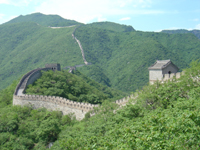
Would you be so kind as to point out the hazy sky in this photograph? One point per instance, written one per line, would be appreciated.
(144, 15)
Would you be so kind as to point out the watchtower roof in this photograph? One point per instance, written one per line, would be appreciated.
(160, 64)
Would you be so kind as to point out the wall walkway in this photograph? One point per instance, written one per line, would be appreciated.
(79, 43)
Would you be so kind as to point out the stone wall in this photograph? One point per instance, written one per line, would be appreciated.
(59, 104)
(52, 102)
(155, 75)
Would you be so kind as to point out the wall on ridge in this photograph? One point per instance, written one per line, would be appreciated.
(52, 102)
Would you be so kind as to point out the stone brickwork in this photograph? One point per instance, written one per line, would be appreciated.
(54, 103)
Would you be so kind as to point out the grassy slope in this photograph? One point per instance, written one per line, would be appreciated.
(26, 46)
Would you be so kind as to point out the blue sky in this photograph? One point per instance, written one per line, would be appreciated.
(143, 15)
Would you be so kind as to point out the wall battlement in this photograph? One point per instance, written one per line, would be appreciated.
(52, 102)
(57, 101)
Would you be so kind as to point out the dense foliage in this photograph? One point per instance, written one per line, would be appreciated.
(164, 116)
(23, 128)
(74, 87)
(180, 31)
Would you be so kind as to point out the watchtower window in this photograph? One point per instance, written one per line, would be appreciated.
(169, 72)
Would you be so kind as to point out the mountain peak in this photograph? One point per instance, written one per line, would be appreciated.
(44, 20)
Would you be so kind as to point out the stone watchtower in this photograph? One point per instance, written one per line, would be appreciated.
(162, 69)
(53, 67)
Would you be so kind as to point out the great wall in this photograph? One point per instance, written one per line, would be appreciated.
(79, 43)
(64, 105)
(67, 106)
(51, 102)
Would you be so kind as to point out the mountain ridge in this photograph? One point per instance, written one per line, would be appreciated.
(120, 55)
(183, 31)
(44, 20)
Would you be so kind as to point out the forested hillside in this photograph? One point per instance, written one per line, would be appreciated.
(119, 54)
(124, 57)
(165, 116)
(111, 26)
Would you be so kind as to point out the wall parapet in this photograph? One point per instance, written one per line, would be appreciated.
(58, 101)
(22, 80)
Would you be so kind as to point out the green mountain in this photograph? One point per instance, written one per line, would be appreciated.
(181, 31)
(118, 54)
(26, 46)
(125, 56)
(111, 26)
(44, 20)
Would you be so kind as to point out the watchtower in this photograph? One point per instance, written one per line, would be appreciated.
(53, 67)
(161, 69)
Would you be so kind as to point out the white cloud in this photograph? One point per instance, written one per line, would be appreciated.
(1, 16)
(126, 18)
(4, 2)
(101, 18)
(197, 26)
(16, 2)
(82, 11)
(92, 10)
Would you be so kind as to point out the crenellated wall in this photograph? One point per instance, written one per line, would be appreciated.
(52, 102)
